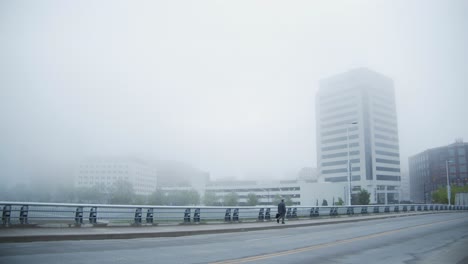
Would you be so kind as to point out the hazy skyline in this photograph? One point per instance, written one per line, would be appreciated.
(227, 86)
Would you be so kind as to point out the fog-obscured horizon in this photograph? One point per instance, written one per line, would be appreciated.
(227, 87)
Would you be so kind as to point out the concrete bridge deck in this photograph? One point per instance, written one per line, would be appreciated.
(31, 234)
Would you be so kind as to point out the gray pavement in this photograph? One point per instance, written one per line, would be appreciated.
(31, 234)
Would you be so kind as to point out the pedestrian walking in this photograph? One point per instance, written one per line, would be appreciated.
(281, 212)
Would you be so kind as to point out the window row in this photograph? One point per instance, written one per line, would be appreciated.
(388, 178)
(341, 154)
(340, 170)
(384, 145)
(396, 162)
(338, 139)
(389, 138)
(387, 169)
(339, 131)
(341, 123)
(343, 146)
(328, 117)
(388, 130)
(387, 153)
(340, 162)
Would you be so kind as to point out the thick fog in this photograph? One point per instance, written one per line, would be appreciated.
(226, 86)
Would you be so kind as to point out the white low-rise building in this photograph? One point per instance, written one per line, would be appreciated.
(301, 192)
(104, 172)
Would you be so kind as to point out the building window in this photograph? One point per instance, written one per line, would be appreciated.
(340, 162)
(383, 145)
(396, 162)
(451, 152)
(387, 169)
(463, 168)
(341, 154)
(386, 153)
(344, 146)
(387, 178)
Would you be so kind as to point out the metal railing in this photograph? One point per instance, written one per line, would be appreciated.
(30, 213)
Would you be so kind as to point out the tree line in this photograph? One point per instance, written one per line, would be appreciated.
(440, 195)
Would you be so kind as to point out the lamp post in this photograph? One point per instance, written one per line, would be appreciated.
(349, 163)
(448, 181)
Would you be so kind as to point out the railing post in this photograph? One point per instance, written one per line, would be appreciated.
(288, 213)
(314, 211)
(196, 216)
(6, 215)
(267, 214)
(187, 214)
(93, 215)
(294, 212)
(79, 216)
(261, 215)
(138, 214)
(150, 216)
(227, 215)
(364, 210)
(235, 215)
(24, 215)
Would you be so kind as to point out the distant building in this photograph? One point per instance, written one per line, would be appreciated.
(301, 192)
(173, 174)
(461, 199)
(405, 187)
(428, 170)
(356, 116)
(308, 173)
(104, 172)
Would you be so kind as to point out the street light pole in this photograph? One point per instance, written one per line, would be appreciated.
(448, 181)
(349, 164)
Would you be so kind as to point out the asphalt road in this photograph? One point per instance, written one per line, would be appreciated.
(434, 238)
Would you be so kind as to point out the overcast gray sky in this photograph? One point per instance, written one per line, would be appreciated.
(227, 86)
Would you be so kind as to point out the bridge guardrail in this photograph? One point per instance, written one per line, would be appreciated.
(31, 213)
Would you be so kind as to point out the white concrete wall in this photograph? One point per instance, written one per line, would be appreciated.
(317, 191)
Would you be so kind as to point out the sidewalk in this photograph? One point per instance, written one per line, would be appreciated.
(32, 234)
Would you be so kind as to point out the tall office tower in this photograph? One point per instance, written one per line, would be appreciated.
(357, 123)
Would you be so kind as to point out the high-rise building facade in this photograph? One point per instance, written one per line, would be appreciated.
(357, 122)
(430, 168)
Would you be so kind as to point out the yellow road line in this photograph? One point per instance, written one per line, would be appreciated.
(339, 242)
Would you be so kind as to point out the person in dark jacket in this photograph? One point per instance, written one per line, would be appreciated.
(281, 211)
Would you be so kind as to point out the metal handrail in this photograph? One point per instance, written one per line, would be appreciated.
(38, 213)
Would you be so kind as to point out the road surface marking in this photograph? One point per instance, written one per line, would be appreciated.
(339, 242)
